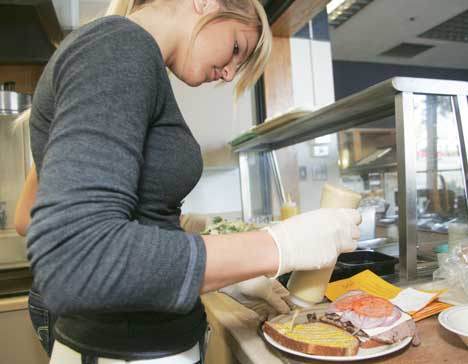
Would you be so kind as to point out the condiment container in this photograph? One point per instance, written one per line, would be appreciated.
(308, 287)
(288, 209)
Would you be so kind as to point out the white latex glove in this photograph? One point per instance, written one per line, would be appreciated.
(269, 290)
(194, 223)
(314, 240)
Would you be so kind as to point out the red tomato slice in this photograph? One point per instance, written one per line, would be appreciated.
(372, 306)
(346, 303)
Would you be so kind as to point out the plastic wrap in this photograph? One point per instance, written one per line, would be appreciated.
(453, 267)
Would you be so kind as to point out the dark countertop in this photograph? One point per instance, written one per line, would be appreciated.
(15, 281)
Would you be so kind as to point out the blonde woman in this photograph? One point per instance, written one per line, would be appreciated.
(115, 158)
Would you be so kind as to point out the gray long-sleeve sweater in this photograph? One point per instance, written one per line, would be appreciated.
(115, 159)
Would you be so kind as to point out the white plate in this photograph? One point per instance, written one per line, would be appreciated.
(361, 355)
(455, 319)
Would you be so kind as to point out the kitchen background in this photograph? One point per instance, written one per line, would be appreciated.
(345, 48)
(336, 54)
(373, 41)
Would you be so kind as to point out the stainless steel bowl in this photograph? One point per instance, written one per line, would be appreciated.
(372, 243)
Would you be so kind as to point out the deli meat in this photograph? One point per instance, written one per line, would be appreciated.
(374, 320)
(335, 319)
(405, 329)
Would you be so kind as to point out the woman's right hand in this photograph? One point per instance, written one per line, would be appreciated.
(314, 239)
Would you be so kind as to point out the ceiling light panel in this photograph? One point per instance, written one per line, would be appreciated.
(454, 29)
(348, 8)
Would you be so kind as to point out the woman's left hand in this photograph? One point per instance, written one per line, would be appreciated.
(269, 290)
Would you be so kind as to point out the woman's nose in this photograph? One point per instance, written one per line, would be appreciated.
(229, 71)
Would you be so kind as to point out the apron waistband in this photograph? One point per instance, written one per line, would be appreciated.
(63, 353)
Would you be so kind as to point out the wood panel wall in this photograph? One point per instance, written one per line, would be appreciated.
(26, 76)
(296, 16)
(279, 98)
(278, 78)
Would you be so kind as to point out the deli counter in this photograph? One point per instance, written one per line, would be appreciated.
(401, 144)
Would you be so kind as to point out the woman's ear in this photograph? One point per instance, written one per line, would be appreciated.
(203, 7)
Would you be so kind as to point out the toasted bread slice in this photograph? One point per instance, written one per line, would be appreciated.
(316, 338)
(370, 344)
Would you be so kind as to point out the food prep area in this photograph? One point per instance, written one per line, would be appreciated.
(233, 181)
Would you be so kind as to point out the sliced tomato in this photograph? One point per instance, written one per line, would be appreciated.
(346, 303)
(372, 306)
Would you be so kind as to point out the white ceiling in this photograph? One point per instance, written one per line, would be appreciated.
(384, 24)
(381, 25)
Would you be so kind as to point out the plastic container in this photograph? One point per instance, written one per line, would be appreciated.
(288, 209)
(442, 248)
(349, 264)
(457, 234)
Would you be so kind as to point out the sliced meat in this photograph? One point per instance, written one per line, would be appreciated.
(334, 319)
(312, 317)
(394, 317)
(362, 322)
(398, 333)
(356, 311)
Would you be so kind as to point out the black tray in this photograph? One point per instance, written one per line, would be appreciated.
(349, 264)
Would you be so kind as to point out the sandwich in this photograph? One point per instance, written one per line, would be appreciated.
(315, 338)
(355, 320)
(373, 320)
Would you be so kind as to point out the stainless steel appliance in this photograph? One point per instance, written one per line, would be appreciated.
(14, 164)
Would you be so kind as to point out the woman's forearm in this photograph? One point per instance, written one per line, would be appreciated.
(236, 257)
(25, 202)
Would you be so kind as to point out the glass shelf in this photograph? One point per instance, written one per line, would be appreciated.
(400, 143)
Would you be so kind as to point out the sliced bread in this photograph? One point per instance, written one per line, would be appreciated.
(316, 338)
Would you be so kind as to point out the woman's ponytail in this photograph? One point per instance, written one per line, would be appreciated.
(22, 119)
(120, 7)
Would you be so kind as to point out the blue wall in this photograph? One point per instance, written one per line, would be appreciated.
(351, 77)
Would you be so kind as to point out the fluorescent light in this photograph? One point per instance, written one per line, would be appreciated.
(339, 11)
(333, 4)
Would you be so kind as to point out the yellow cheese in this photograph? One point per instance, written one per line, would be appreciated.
(317, 333)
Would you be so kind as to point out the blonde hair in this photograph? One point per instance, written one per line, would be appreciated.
(22, 119)
(249, 12)
(120, 7)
